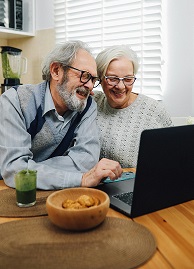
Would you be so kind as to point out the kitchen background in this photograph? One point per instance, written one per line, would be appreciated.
(179, 85)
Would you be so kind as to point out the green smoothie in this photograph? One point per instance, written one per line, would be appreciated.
(25, 184)
(7, 71)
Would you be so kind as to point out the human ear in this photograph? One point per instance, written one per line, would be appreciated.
(55, 70)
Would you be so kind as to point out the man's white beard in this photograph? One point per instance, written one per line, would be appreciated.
(70, 99)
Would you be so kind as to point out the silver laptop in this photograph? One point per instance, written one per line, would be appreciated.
(164, 175)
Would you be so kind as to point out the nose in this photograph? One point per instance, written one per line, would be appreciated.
(121, 84)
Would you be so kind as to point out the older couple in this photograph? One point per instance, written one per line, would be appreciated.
(51, 127)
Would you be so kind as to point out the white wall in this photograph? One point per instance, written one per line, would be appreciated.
(179, 90)
(44, 14)
(179, 64)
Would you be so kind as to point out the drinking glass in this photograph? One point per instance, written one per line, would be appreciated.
(25, 184)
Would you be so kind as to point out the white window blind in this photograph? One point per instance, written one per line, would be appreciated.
(102, 23)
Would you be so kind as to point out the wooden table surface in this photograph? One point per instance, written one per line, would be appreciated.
(173, 229)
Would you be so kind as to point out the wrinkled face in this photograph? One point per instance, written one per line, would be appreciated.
(72, 91)
(118, 95)
(70, 98)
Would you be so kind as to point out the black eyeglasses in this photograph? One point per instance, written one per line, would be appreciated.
(86, 76)
(113, 81)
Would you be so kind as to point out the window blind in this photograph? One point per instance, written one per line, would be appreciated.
(102, 23)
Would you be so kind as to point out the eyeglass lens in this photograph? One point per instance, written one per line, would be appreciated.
(113, 81)
(86, 76)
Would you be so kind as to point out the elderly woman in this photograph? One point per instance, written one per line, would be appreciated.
(123, 114)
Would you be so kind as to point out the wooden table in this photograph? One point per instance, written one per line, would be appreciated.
(173, 229)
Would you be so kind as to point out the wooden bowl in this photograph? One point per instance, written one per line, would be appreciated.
(77, 219)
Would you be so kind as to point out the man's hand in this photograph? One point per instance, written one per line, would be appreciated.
(104, 168)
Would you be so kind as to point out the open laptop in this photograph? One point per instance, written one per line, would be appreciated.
(164, 175)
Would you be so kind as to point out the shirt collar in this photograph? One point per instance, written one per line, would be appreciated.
(48, 101)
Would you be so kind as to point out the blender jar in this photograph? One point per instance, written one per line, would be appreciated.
(13, 65)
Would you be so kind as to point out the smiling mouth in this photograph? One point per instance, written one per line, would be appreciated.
(82, 92)
(119, 93)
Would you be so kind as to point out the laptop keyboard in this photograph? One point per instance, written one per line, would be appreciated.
(126, 197)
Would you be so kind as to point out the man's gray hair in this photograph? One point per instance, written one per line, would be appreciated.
(64, 54)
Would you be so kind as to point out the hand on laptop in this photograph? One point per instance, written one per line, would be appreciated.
(104, 168)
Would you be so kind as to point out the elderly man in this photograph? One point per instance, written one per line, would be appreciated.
(51, 127)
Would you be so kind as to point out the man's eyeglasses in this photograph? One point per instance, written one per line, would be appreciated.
(113, 81)
(86, 76)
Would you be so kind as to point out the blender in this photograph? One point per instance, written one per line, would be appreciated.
(13, 66)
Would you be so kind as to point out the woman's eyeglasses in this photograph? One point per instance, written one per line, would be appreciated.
(113, 81)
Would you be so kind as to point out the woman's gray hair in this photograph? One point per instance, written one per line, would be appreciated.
(109, 54)
(64, 54)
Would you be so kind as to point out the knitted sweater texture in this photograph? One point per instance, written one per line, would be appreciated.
(121, 128)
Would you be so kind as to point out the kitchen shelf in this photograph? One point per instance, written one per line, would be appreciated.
(28, 23)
